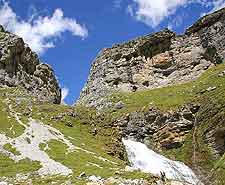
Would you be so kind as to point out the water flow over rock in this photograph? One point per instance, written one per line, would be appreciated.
(146, 160)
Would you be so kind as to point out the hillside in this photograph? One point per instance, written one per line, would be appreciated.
(152, 112)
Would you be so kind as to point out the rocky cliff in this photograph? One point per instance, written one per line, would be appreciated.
(19, 66)
(156, 60)
(164, 112)
(166, 90)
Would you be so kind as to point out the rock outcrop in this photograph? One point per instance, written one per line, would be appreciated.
(156, 60)
(159, 130)
(19, 66)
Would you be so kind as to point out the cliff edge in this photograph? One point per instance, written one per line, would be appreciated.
(19, 66)
(156, 60)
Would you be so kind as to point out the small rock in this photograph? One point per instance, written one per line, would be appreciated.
(94, 131)
(3, 183)
(83, 174)
(94, 178)
(162, 176)
(194, 108)
(211, 89)
(94, 183)
(59, 117)
(188, 115)
(69, 124)
(221, 74)
(134, 88)
(129, 169)
(2, 28)
(119, 105)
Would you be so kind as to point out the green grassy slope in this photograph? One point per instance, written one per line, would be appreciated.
(78, 128)
(78, 123)
(211, 115)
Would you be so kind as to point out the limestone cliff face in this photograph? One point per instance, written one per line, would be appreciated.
(19, 66)
(156, 60)
(157, 129)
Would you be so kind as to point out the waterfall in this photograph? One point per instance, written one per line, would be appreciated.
(146, 160)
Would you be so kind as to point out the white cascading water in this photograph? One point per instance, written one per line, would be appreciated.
(146, 160)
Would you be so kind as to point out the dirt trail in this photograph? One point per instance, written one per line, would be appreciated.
(27, 144)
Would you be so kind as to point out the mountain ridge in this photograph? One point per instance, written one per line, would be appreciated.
(130, 66)
(162, 94)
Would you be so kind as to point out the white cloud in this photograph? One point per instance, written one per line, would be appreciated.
(40, 31)
(152, 12)
(65, 92)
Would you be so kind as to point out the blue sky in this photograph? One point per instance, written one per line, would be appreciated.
(69, 34)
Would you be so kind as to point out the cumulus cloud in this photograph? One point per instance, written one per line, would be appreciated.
(65, 92)
(40, 31)
(152, 13)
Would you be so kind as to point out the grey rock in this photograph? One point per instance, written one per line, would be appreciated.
(94, 178)
(19, 66)
(206, 21)
(156, 60)
(211, 89)
(119, 105)
(159, 130)
(215, 140)
(94, 131)
(221, 74)
(2, 28)
(69, 124)
(83, 174)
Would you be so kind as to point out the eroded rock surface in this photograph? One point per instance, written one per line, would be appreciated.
(156, 60)
(157, 129)
(19, 66)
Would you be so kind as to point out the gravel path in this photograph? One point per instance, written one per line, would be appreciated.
(28, 146)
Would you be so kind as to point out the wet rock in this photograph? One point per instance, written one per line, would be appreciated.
(160, 130)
